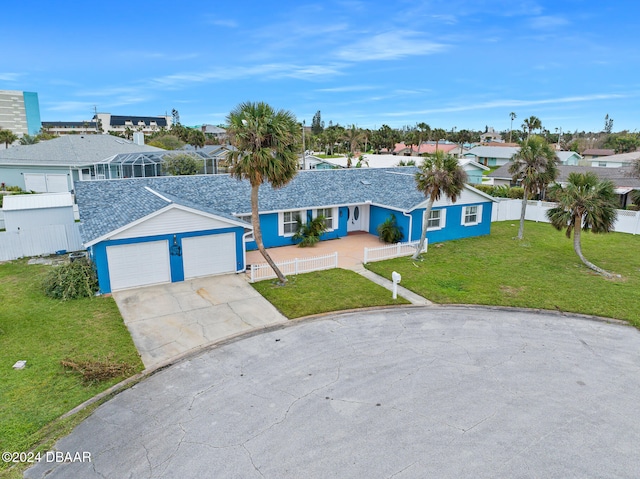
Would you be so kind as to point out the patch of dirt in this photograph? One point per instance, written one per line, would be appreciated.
(510, 290)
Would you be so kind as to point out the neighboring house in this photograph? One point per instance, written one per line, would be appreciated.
(24, 212)
(592, 153)
(19, 112)
(491, 136)
(622, 179)
(89, 127)
(214, 131)
(568, 158)
(53, 166)
(474, 170)
(492, 155)
(426, 147)
(615, 161)
(168, 229)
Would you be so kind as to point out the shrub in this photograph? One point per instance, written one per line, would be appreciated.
(309, 234)
(389, 231)
(71, 280)
(516, 192)
(488, 189)
(180, 164)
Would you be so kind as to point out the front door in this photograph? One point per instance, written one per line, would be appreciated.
(354, 218)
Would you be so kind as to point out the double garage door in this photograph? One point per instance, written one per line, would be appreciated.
(142, 264)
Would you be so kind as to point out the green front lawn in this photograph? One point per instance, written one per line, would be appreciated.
(542, 271)
(323, 292)
(43, 332)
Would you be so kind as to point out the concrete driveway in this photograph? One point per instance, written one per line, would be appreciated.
(167, 320)
(442, 392)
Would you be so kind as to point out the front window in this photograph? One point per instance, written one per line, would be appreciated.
(471, 215)
(328, 217)
(436, 220)
(290, 222)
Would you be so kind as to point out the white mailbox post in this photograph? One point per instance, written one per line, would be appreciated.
(396, 279)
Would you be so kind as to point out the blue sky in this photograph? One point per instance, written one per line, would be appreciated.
(462, 64)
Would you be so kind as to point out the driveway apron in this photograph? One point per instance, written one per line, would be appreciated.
(167, 320)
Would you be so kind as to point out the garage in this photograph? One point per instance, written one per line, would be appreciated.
(209, 255)
(138, 264)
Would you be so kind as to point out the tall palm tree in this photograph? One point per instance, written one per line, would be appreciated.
(532, 123)
(424, 131)
(534, 166)
(439, 134)
(440, 174)
(353, 136)
(266, 144)
(513, 116)
(585, 203)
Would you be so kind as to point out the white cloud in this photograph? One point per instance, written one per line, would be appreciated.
(220, 22)
(548, 22)
(350, 88)
(10, 76)
(389, 46)
(512, 104)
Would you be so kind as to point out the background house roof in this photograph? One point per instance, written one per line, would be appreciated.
(108, 205)
(598, 152)
(493, 151)
(71, 150)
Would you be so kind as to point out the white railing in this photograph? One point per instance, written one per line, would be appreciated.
(392, 251)
(295, 266)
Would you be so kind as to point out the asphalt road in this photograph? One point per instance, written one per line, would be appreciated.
(404, 393)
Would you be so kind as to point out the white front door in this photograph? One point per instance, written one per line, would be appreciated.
(354, 218)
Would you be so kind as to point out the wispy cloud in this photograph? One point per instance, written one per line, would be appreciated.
(70, 106)
(512, 104)
(390, 46)
(349, 88)
(10, 76)
(221, 22)
(546, 22)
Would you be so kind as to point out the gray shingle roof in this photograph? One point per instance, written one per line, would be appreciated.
(108, 205)
(71, 150)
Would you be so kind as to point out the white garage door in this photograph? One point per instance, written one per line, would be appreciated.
(139, 264)
(207, 255)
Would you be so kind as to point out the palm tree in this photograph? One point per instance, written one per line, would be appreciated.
(513, 116)
(7, 137)
(439, 134)
(266, 144)
(534, 166)
(532, 123)
(440, 174)
(424, 130)
(586, 203)
(353, 136)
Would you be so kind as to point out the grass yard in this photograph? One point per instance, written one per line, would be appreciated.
(542, 271)
(43, 332)
(323, 292)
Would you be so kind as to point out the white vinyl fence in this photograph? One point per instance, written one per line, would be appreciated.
(39, 241)
(392, 251)
(509, 210)
(295, 266)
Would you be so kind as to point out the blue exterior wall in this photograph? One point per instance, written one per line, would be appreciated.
(378, 215)
(454, 229)
(32, 110)
(98, 253)
(271, 239)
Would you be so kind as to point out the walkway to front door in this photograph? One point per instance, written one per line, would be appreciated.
(350, 250)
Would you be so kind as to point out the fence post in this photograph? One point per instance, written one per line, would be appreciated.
(365, 256)
(251, 270)
(295, 266)
(335, 259)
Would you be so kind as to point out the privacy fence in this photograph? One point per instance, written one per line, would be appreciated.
(39, 241)
(509, 210)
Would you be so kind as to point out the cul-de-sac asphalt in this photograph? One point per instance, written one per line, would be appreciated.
(442, 392)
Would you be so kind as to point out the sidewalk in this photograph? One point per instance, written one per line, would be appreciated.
(410, 296)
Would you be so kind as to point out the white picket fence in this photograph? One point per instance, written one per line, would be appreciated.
(392, 251)
(509, 210)
(258, 272)
(39, 241)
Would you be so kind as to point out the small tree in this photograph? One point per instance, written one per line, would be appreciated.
(180, 164)
(7, 137)
(389, 231)
(585, 203)
(308, 234)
